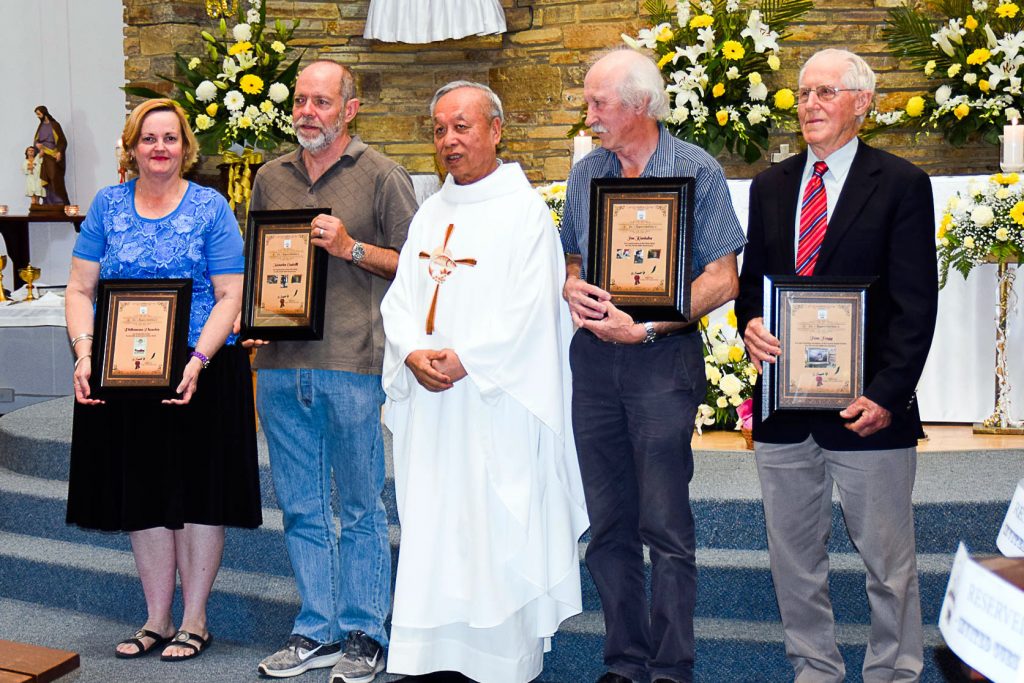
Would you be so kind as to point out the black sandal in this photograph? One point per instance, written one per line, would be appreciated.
(158, 642)
(182, 639)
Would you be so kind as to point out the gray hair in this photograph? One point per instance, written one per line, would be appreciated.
(496, 110)
(858, 74)
(642, 85)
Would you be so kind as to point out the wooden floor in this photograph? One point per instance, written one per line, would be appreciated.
(941, 437)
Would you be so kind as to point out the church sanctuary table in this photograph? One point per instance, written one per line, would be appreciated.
(35, 361)
(14, 229)
(958, 383)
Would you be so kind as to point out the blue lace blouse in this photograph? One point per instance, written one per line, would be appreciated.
(198, 239)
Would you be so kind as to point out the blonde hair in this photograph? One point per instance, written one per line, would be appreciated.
(133, 131)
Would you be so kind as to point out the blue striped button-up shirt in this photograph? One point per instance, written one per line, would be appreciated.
(716, 229)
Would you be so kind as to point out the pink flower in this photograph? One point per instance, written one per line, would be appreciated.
(745, 412)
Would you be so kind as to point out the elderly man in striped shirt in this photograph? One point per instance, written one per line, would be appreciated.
(637, 383)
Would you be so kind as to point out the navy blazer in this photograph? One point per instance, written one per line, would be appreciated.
(883, 225)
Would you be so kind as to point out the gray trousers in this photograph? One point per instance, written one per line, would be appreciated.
(875, 492)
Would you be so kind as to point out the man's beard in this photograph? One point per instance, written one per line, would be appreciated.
(322, 140)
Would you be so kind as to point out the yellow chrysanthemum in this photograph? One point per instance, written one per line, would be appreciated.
(1005, 178)
(554, 217)
(970, 23)
(1007, 10)
(702, 21)
(733, 50)
(735, 354)
(784, 99)
(237, 48)
(718, 90)
(961, 111)
(915, 106)
(211, 109)
(774, 63)
(979, 56)
(1002, 234)
(1017, 213)
(666, 59)
(251, 84)
(983, 85)
(245, 122)
(722, 116)
(704, 323)
(730, 318)
(929, 68)
(266, 106)
(944, 225)
(203, 122)
(754, 78)
(953, 70)
(664, 35)
(969, 242)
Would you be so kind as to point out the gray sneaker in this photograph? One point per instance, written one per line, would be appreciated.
(298, 655)
(361, 661)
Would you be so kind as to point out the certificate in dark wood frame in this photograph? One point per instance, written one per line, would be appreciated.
(285, 288)
(641, 241)
(820, 322)
(140, 342)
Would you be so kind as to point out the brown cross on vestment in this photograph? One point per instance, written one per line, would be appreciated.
(440, 265)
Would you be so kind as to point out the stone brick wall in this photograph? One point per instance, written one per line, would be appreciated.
(537, 68)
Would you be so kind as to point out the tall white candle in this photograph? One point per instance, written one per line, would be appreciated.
(1013, 147)
(582, 145)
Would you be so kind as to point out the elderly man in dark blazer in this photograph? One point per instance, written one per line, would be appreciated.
(843, 208)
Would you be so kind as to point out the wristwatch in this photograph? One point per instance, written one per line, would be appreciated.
(358, 253)
(651, 334)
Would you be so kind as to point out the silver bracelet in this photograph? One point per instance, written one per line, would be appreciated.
(80, 359)
(84, 335)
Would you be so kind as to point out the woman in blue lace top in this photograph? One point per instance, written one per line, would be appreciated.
(173, 473)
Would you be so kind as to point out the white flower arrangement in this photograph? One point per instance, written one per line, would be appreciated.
(241, 92)
(730, 375)
(986, 223)
(716, 58)
(974, 55)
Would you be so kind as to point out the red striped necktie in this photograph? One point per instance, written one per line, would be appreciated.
(813, 221)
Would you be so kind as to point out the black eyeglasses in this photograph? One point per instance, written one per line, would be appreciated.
(825, 93)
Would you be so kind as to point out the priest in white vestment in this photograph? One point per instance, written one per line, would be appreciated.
(477, 381)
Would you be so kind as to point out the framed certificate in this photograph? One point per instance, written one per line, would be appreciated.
(820, 322)
(641, 238)
(285, 277)
(141, 337)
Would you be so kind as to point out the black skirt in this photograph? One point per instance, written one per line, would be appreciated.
(140, 464)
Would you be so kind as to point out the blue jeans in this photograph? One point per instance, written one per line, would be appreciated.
(321, 423)
(633, 407)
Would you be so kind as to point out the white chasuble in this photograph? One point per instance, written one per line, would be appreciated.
(489, 492)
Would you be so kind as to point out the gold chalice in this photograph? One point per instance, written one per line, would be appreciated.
(3, 264)
(29, 274)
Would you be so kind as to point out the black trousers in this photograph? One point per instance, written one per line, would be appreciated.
(633, 408)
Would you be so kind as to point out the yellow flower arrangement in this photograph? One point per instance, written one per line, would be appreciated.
(973, 55)
(986, 222)
(715, 56)
(729, 372)
(554, 196)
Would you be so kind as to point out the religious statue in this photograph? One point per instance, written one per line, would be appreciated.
(52, 145)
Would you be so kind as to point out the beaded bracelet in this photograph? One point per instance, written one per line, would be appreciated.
(202, 358)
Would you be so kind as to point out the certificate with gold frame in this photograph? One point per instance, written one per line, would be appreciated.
(285, 277)
(641, 239)
(820, 323)
(141, 337)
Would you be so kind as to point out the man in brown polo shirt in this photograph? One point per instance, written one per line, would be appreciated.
(319, 401)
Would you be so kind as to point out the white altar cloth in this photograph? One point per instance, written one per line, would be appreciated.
(958, 383)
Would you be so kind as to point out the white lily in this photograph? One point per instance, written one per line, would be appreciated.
(990, 37)
(706, 35)
(942, 42)
(763, 37)
(757, 92)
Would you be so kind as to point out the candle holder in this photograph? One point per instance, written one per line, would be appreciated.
(1011, 154)
(71, 210)
(3, 209)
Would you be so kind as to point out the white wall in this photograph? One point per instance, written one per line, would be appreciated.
(68, 56)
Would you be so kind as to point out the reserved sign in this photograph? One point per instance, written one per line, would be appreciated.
(982, 620)
(1011, 534)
